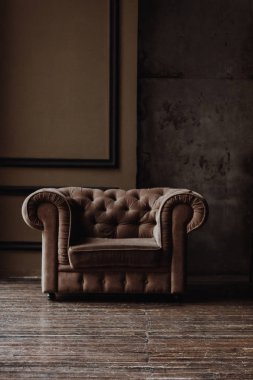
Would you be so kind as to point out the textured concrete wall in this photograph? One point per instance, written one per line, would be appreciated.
(196, 118)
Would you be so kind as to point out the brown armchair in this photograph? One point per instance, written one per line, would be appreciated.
(114, 241)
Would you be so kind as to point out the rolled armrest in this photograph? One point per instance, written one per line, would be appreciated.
(31, 216)
(173, 198)
(179, 212)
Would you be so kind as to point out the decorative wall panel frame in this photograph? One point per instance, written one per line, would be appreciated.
(19, 245)
(112, 160)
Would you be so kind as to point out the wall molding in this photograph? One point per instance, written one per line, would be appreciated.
(19, 190)
(20, 246)
(112, 161)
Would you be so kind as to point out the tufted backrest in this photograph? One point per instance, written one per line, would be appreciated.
(116, 213)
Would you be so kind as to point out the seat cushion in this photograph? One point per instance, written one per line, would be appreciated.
(99, 252)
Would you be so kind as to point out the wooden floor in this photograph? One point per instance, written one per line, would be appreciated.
(207, 336)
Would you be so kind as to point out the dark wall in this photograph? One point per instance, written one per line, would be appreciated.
(196, 118)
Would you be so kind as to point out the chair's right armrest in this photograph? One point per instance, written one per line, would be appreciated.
(180, 212)
(47, 209)
(52, 212)
(194, 218)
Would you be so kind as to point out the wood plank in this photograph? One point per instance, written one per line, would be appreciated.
(207, 336)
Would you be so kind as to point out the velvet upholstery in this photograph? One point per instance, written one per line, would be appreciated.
(114, 241)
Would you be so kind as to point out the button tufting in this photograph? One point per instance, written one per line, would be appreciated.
(118, 214)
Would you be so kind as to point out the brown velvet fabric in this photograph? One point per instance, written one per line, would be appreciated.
(116, 213)
(99, 252)
(69, 217)
(31, 217)
(47, 213)
(114, 282)
(181, 215)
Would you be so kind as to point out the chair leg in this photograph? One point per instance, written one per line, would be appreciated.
(51, 296)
